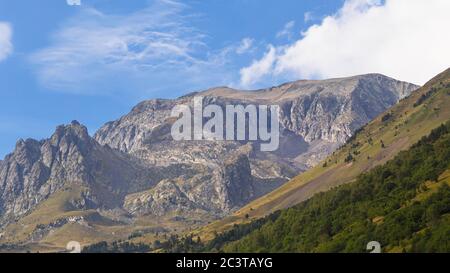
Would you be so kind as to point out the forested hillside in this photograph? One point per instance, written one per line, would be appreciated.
(404, 205)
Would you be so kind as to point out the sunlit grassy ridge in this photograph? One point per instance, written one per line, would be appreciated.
(49, 228)
(58, 208)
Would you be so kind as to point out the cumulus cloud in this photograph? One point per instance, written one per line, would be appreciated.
(5, 40)
(150, 50)
(404, 39)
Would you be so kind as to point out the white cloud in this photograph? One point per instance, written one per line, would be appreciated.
(151, 50)
(308, 16)
(245, 46)
(259, 69)
(287, 30)
(404, 39)
(6, 46)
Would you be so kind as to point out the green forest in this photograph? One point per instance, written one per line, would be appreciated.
(401, 204)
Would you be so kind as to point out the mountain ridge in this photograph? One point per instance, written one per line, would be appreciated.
(130, 170)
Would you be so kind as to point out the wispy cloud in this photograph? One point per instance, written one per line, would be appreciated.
(151, 50)
(308, 16)
(287, 31)
(6, 46)
(245, 46)
(405, 39)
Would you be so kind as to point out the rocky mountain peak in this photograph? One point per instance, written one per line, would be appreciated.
(39, 168)
(72, 130)
(72, 136)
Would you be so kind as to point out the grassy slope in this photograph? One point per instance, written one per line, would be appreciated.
(97, 228)
(406, 126)
(55, 208)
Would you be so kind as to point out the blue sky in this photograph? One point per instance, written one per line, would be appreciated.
(30, 107)
(95, 61)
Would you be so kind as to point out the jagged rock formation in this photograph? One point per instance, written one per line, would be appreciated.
(133, 163)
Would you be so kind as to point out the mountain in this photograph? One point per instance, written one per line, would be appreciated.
(316, 118)
(37, 169)
(381, 140)
(389, 184)
(131, 177)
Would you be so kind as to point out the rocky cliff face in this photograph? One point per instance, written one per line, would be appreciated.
(133, 164)
(316, 117)
(214, 190)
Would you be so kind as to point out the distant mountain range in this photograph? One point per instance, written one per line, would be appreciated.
(131, 178)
